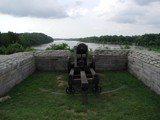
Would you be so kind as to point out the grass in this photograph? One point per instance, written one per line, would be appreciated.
(155, 49)
(34, 99)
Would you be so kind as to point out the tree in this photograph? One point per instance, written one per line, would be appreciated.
(13, 37)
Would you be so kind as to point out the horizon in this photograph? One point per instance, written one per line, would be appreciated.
(78, 19)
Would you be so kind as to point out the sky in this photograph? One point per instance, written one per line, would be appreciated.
(80, 18)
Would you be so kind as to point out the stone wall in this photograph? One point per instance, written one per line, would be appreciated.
(52, 60)
(15, 68)
(111, 59)
(145, 66)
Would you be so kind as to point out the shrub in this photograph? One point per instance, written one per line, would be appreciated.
(13, 48)
(29, 49)
(2, 50)
(125, 47)
(62, 46)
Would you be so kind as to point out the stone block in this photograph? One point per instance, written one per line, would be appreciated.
(52, 60)
(12, 69)
(144, 65)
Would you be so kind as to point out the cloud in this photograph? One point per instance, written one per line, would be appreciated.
(145, 2)
(33, 8)
(43, 8)
(78, 3)
(77, 10)
(129, 11)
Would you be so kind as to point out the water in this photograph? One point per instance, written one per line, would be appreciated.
(71, 44)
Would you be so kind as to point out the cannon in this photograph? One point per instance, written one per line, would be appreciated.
(81, 71)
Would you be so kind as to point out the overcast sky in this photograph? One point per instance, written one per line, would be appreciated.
(80, 18)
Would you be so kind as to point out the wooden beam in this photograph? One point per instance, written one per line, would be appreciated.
(84, 81)
(92, 72)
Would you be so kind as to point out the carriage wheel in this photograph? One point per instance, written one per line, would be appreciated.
(70, 90)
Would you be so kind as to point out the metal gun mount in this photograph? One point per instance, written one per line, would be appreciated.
(81, 69)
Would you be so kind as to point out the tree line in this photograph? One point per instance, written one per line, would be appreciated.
(24, 39)
(139, 40)
(18, 42)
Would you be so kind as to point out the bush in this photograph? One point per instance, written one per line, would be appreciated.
(13, 48)
(2, 50)
(125, 47)
(29, 49)
(153, 48)
(62, 46)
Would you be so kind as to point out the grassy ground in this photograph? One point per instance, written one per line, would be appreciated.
(34, 99)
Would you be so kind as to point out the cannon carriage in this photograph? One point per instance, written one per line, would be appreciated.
(81, 70)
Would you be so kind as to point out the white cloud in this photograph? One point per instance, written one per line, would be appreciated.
(130, 11)
(76, 12)
(42, 8)
(107, 7)
(33, 8)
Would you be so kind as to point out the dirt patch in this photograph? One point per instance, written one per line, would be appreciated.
(61, 81)
(60, 88)
(92, 112)
(3, 99)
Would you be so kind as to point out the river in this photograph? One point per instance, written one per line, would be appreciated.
(71, 44)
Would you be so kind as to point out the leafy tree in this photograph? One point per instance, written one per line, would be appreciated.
(142, 40)
(12, 42)
(24, 41)
(0, 39)
(13, 37)
(36, 38)
(5, 41)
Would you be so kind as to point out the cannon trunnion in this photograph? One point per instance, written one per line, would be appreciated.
(81, 70)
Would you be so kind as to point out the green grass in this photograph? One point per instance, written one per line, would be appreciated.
(155, 49)
(34, 99)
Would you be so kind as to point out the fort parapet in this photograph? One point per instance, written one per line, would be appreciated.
(14, 69)
(52, 60)
(111, 59)
(143, 64)
(146, 67)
